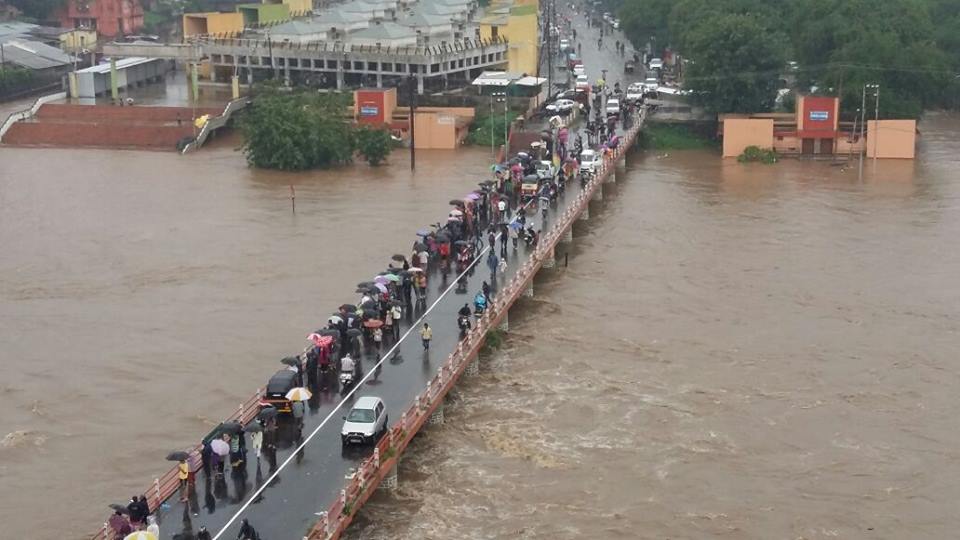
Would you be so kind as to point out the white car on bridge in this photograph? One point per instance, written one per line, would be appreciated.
(589, 161)
(366, 422)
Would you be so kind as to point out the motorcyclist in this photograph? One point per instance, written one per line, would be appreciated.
(347, 365)
(464, 311)
(479, 303)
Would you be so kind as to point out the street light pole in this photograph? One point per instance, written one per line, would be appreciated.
(876, 130)
(863, 130)
(413, 140)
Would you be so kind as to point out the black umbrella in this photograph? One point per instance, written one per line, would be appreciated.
(419, 246)
(443, 237)
(362, 290)
(531, 178)
(456, 202)
(368, 305)
(365, 284)
(371, 313)
(398, 257)
(291, 361)
(179, 455)
(253, 428)
(329, 332)
(354, 332)
(348, 307)
(231, 427)
(487, 183)
(267, 413)
(119, 508)
(461, 243)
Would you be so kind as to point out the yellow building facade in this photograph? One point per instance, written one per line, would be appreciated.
(212, 23)
(78, 39)
(517, 21)
(297, 7)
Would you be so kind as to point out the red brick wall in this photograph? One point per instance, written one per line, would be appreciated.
(96, 135)
(114, 113)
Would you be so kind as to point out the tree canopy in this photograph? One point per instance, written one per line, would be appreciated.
(737, 49)
(301, 129)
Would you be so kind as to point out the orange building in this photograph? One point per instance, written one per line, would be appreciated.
(110, 18)
(814, 129)
(436, 127)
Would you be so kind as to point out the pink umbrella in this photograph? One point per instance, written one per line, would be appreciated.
(473, 196)
(381, 287)
(320, 341)
(381, 280)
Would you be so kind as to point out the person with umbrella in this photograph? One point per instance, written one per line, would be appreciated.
(118, 523)
(492, 262)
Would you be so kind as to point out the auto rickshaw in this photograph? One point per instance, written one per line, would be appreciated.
(530, 187)
(275, 394)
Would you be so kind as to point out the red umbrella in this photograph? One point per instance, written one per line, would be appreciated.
(373, 323)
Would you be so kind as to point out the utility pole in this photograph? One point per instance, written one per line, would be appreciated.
(863, 108)
(413, 140)
(493, 144)
(876, 127)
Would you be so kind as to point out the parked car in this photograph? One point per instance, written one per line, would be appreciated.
(589, 161)
(655, 63)
(613, 107)
(582, 82)
(634, 92)
(561, 106)
(651, 83)
(275, 394)
(366, 422)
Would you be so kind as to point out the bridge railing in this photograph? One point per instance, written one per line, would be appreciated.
(371, 471)
(216, 122)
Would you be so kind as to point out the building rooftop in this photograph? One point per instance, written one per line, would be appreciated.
(299, 28)
(33, 54)
(386, 30)
(15, 28)
(332, 17)
(121, 64)
(419, 20)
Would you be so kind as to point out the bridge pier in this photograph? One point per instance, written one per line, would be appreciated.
(598, 193)
(504, 322)
(528, 290)
(567, 235)
(550, 260)
(436, 417)
(391, 480)
(585, 215)
(473, 367)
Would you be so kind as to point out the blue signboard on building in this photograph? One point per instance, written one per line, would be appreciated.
(819, 115)
(369, 110)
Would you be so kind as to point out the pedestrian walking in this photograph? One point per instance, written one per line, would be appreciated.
(388, 321)
(396, 313)
(503, 266)
(256, 441)
(503, 245)
(378, 339)
(183, 474)
(426, 334)
(492, 262)
(296, 409)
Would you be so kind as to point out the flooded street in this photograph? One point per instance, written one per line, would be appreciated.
(734, 351)
(145, 295)
(740, 351)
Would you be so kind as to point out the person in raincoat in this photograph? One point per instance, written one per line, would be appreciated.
(256, 441)
(152, 526)
(247, 532)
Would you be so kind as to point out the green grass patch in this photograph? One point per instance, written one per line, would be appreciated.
(673, 137)
(755, 154)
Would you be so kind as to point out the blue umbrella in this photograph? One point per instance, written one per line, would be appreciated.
(515, 225)
(423, 232)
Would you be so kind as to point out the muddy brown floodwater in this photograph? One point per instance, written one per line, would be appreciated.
(145, 295)
(734, 352)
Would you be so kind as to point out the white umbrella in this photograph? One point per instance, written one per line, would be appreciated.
(219, 447)
(456, 213)
(414, 269)
(298, 394)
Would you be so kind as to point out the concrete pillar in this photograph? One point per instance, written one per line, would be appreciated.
(286, 70)
(194, 82)
(339, 79)
(249, 75)
(436, 418)
(585, 215)
(391, 480)
(504, 322)
(114, 90)
(597, 194)
(419, 84)
(550, 260)
(473, 367)
(567, 235)
(235, 86)
(528, 291)
(74, 85)
(213, 74)
(379, 80)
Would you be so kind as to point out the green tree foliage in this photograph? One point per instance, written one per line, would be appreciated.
(737, 65)
(15, 79)
(910, 47)
(295, 131)
(374, 144)
(40, 10)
